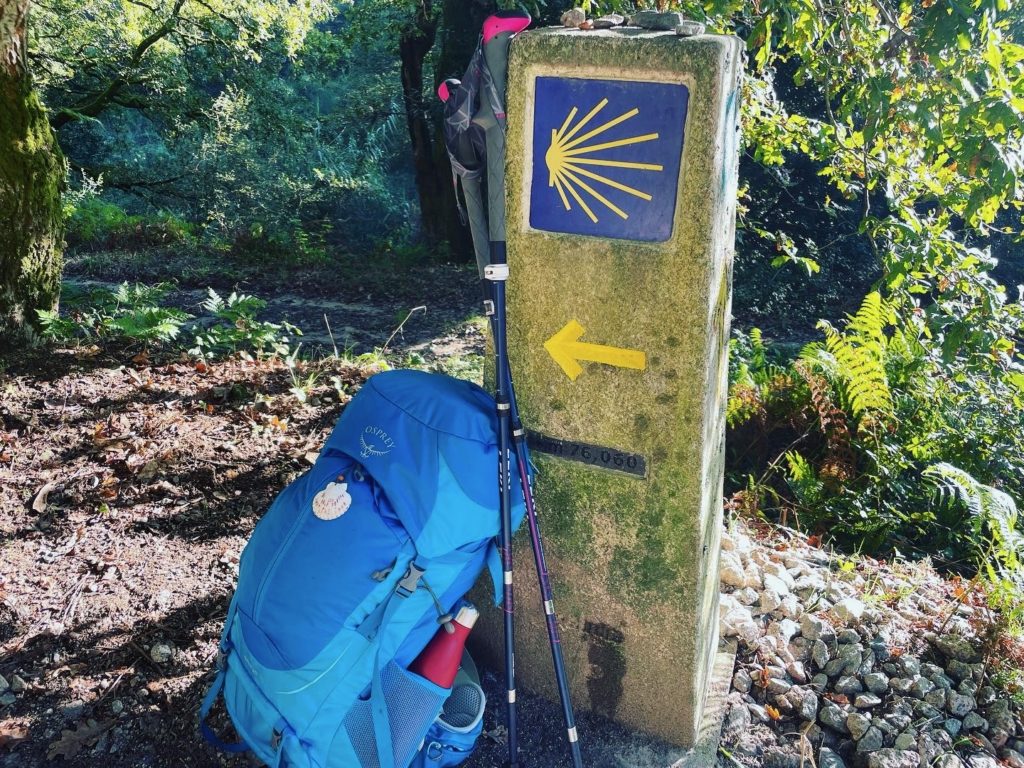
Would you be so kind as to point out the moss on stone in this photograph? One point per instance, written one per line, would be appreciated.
(628, 553)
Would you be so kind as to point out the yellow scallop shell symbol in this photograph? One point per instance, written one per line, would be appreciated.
(568, 154)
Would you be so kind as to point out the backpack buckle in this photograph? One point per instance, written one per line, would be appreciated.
(408, 583)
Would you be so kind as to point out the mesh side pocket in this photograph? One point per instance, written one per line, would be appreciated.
(359, 727)
(413, 704)
(464, 708)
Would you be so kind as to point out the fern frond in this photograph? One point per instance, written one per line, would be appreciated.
(855, 358)
(989, 508)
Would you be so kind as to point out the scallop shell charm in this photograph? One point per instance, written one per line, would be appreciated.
(332, 502)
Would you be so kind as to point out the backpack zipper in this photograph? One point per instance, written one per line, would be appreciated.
(261, 592)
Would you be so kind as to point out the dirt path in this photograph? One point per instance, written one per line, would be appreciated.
(128, 488)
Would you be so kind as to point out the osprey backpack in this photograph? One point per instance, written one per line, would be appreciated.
(351, 572)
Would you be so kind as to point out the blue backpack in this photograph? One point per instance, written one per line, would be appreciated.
(352, 571)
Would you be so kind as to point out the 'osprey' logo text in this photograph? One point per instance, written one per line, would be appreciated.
(375, 442)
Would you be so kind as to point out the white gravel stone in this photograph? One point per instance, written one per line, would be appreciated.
(747, 596)
(742, 681)
(790, 607)
(819, 653)
(894, 758)
(4, 685)
(770, 600)
(573, 17)
(779, 571)
(752, 577)
(726, 603)
(960, 705)
(784, 630)
(849, 610)
(811, 626)
(871, 741)
(731, 570)
(981, 760)
(777, 585)
(866, 701)
(876, 682)
(975, 722)
(858, 724)
(796, 671)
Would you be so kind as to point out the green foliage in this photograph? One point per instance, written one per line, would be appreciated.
(234, 329)
(137, 313)
(95, 223)
(256, 122)
(886, 445)
(992, 515)
(130, 312)
(854, 360)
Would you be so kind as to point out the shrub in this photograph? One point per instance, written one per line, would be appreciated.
(877, 437)
(96, 224)
(129, 312)
(234, 329)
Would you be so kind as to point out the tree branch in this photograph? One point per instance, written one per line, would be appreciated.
(97, 103)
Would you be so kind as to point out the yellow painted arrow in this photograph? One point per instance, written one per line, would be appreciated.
(567, 349)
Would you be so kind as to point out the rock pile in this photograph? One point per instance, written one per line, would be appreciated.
(855, 663)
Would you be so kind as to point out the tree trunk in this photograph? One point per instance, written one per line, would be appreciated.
(31, 178)
(413, 47)
(438, 212)
(459, 32)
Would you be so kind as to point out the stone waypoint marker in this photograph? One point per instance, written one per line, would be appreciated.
(621, 189)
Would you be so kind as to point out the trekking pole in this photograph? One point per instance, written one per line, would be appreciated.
(497, 32)
(496, 36)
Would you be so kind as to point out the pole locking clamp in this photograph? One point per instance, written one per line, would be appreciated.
(497, 273)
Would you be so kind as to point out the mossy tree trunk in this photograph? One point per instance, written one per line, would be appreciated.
(31, 177)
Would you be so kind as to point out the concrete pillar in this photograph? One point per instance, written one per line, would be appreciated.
(621, 192)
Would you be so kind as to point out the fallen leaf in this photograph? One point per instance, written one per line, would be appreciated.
(39, 502)
(11, 733)
(71, 743)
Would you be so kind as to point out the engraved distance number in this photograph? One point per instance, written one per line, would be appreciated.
(594, 455)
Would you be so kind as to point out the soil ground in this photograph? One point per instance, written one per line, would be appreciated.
(129, 484)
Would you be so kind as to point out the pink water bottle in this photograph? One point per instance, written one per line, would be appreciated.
(439, 661)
